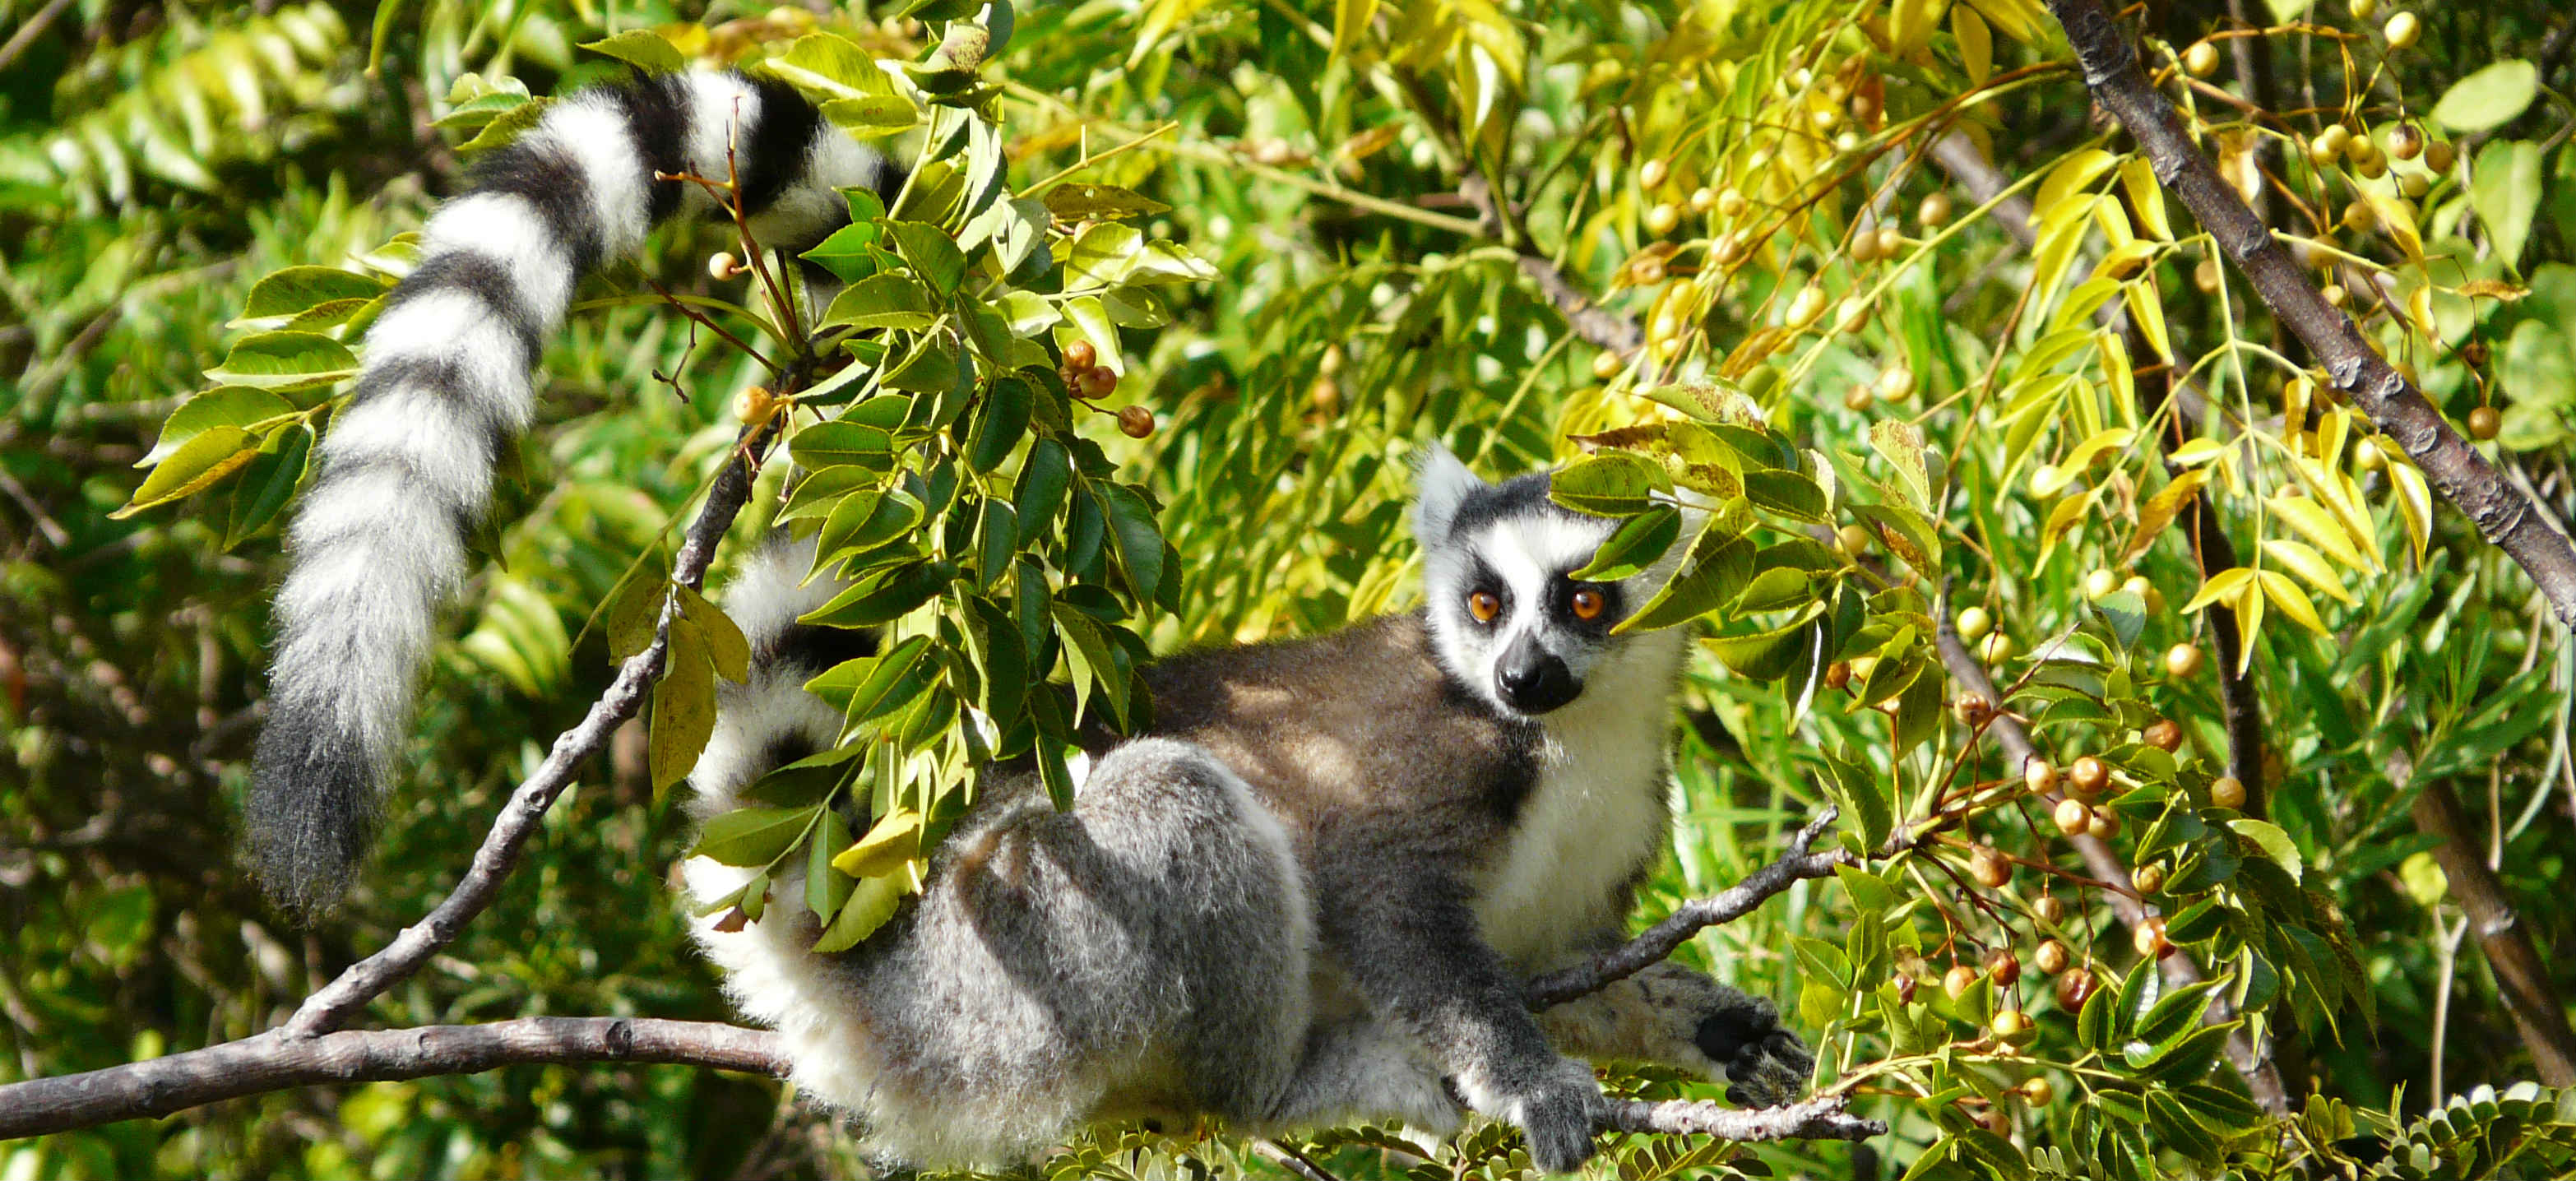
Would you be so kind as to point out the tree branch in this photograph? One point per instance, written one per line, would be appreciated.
(2253, 1062)
(1604, 328)
(332, 1006)
(277, 1060)
(2522, 980)
(2501, 512)
(1815, 1119)
(1725, 906)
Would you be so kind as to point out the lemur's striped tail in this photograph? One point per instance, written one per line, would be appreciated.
(407, 470)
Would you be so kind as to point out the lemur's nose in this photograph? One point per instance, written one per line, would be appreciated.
(1533, 680)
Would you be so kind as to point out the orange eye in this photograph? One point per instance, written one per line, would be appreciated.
(1484, 605)
(1587, 604)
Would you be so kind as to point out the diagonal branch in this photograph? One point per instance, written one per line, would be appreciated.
(1725, 906)
(1604, 328)
(2502, 512)
(2522, 979)
(1815, 1119)
(277, 1060)
(331, 1007)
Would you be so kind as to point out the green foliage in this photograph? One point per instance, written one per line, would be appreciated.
(1859, 404)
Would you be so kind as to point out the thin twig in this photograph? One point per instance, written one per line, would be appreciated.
(28, 32)
(2500, 511)
(1725, 906)
(277, 1060)
(1290, 1159)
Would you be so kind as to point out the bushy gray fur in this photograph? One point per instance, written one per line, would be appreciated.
(1309, 897)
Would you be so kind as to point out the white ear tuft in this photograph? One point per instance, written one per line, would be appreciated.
(1440, 485)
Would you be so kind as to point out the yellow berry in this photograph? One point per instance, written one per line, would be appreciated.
(2201, 60)
(2101, 582)
(1731, 204)
(1935, 210)
(2088, 777)
(1653, 173)
(1974, 623)
(1807, 306)
(1895, 383)
(2183, 660)
(1703, 199)
(1606, 364)
(2403, 31)
(2227, 791)
(2039, 775)
(2072, 816)
(721, 266)
(1662, 219)
(2485, 423)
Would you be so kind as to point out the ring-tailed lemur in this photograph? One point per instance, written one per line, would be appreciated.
(1308, 897)
(1309, 894)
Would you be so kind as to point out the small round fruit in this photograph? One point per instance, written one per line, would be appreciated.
(2475, 354)
(2439, 155)
(2367, 456)
(1647, 271)
(2012, 1025)
(1097, 382)
(1852, 540)
(2146, 591)
(2330, 141)
(2106, 825)
(1663, 218)
(2088, 777)
(2072, 816)
(1325, 395)
(2405, 141)
(2363, 10)
(1995, 649)
(2485, 423)
(1837, 675)
(1732, 204)
(2164, 734)
(1703, 199)
(2414, 185)
(1974, 709)
(1079, 356)
(2051, 910)
(2003, 967)
(1974, 623)
(1606, 364)
(1728, 249)
(1807, 306)
(1958, 980)
(1858, 400)
(2149, 938)
(2227, 791)
(754, 405)
(722, 265)
(2148, 878)
(2336, 296)
(2360, 217)
(2201, 60)
(2050, 957)
(1853, 317)
(2205, 276)
(2039, 775)
(1895, 383)
(1864, 246)
(1890, 240)
(1989, 867)
(2038, 1092)
(1935, 210)
(2403, 31)
(1653, 173)
(1136, 422)
(2074, 988)
(2183, 660)
(2101, 582)
(1996, 1121)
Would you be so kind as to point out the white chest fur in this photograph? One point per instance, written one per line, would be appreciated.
(1597, 814)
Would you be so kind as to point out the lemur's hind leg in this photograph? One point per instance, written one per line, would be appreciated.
(1677, 1016)
(1359, 1070)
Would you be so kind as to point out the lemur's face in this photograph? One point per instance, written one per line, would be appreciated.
(1509, 619)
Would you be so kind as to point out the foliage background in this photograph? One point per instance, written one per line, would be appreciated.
(155, 160)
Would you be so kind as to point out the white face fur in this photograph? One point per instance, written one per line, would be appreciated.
(1506, 618)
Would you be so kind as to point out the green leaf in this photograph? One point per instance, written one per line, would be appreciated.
(635, 607)
(870, 687)
(876, 114)
(1638, 544)
(2489, 98)
(1711, 575)
(643, 49)
(1900, 443)
(1768, 656)
(197, 465)
(684, 709)
(1102, 256)
(1044, 476)
(830, 67)
(1089, 202)
(827, 888)
(1132, 531)
(882, 301)
(271, 480)
(850, 253)
(234, 406)
(2174, 1015)
(295, 290)
(828, 444)
(1003, 423)
(884, 598)
(2275, 843)
(864, 521)
(1865, 796)
(285, 361)
(2505, 192)
(871, 903)
(1608, 485)
(1789, 494)
(726, 647)
(931, 254)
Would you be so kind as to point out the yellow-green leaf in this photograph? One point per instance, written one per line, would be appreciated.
(2292, 601)
(1976, 43)
(2308, 564)
(2146, 197)
(2317, 525)
(197, 465)
(2223, 585)
(895, 840)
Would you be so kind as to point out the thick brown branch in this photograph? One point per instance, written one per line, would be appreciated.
(2501, 511)
(1725, 906)
(1815, 1119)
(274, 1061)
(2253, 1062)
(2521, 979)
(332, 1006)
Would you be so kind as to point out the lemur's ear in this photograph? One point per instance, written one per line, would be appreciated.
(1440, 486)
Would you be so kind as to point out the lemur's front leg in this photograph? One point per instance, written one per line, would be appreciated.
(1677, 1016)
(1402, 928)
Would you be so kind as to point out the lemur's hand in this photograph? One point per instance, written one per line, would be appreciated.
(1766, 1065)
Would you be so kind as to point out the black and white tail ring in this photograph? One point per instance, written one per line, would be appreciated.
(379, 542)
